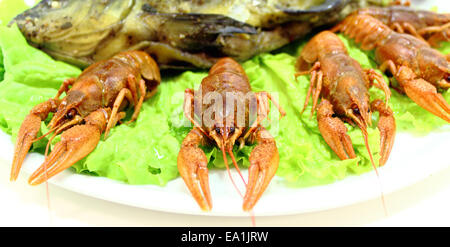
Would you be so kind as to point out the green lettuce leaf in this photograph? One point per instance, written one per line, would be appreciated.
(145, 152)
(30, 77)
(2, 69)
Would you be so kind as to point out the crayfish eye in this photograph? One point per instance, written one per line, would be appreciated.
(70, 114)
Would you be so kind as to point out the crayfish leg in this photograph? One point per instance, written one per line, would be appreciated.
(406, 27)
(264, 160)
(436, 38)
(193, 168)
(262, 99)
(433, 29)
(65, 87)
(131, 85)
(312, 84)
(316, 92)
(124, 93)
(378, 81)
(188, 107)
(310, 89)
(436, 34)
(138, 106)
(400, 3)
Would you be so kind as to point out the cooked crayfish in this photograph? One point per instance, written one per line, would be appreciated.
(418, 68)
(226, 84)
(92, 105)
(343, 87)
(430, 26)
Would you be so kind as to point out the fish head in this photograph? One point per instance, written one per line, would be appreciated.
(70, 29)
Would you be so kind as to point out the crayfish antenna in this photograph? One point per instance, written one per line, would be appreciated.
(252, 215)
(225, 160)
(46, 134)
(230, 151)
(366, 142)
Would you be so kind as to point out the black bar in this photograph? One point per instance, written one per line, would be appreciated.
(222, 236)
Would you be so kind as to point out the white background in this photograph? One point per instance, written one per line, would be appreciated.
(425, 203)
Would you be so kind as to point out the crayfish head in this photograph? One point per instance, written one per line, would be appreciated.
(225, 136)
(358, 108)
(67, 113)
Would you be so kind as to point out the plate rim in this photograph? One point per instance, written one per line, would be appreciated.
(368, 181)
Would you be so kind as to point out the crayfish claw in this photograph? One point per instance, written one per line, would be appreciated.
(426, 96)
(28, 132)
(192, 165)
(387, 127)
(76, 143)
(334, 131)
(264, 161)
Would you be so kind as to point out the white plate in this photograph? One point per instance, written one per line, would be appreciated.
(412, 160)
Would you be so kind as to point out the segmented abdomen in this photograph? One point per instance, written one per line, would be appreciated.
(365, 29)
(401, 14)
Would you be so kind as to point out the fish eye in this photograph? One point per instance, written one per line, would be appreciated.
(218, 130)
(368, 110)
(356, 111)
(231, 130)
(448, 77)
